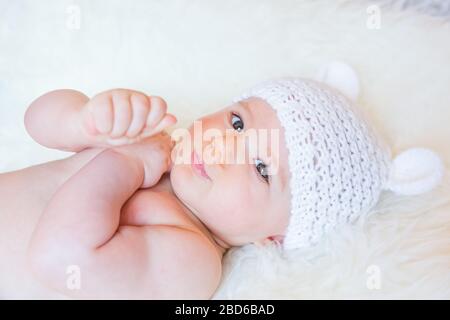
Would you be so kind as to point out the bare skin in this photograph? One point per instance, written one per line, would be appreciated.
(115, 209)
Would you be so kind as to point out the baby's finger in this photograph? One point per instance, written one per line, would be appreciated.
(122, 114)
(119, 141)
(167, 120)
(140, 105)
(102, 113)
(88, 122)
(158, 108)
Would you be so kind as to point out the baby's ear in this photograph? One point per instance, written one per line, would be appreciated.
(340, 76)
(268, 240)
(275, 238)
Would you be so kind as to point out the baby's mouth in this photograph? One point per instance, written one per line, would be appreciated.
(198, 166)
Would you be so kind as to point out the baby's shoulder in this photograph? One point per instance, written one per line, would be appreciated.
(148, 207)
(184, 250)
(156, 207)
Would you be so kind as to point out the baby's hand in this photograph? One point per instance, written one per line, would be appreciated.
(153, 154)
(122, 116)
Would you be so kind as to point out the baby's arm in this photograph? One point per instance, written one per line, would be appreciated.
(52, 120)
(68, 120)
(80, 227)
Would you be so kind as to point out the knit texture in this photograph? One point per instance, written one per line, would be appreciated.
(338, 165)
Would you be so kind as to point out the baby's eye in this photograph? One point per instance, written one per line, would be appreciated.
(237, 122)
(261, 167)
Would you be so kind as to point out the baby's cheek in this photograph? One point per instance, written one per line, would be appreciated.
(240, 211)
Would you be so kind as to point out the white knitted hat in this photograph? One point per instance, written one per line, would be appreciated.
(338, 165)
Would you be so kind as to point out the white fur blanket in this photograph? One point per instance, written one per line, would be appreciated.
(199, 54)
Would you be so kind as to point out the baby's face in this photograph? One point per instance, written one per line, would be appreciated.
(239, 200)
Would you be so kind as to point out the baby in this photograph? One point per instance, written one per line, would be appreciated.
(135, 215)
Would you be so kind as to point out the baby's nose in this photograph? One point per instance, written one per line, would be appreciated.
(227, 149)
(215, 151)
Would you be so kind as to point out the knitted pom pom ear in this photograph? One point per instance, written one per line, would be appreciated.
(341, 76)
(415, 171)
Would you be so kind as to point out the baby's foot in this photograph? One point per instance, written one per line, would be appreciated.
(121, 116)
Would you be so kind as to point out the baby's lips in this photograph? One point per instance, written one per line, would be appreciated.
(170, 162)
(171, 155)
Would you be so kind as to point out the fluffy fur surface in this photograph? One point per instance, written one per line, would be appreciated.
(200, 54)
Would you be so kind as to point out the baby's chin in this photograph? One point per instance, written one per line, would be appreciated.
(174, 181)
(182, 186)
